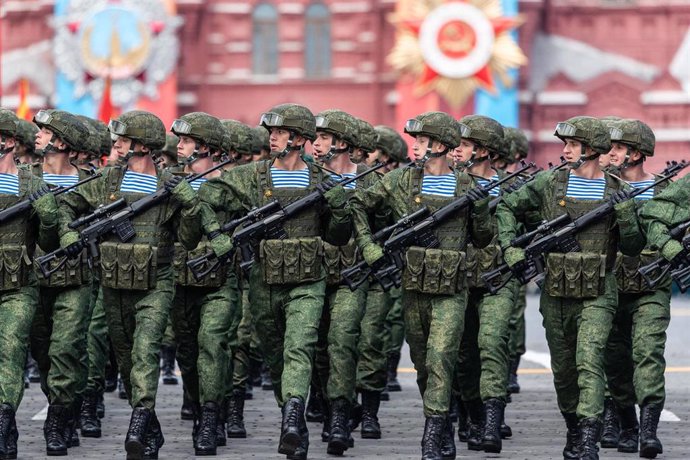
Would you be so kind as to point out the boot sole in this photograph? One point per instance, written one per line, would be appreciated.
(56, 453)
(627, 450)
(170, 382)
(236, 435)
(649, 452)
(289, 443)
(371, 436)
(609, 444)
(135, 450)
(336, 446)
(91, 434)
(201, 453)
(491, 448)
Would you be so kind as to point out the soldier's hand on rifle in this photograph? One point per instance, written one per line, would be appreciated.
(336, 197)
(72, 244)
(674, 252)
(372, 253)
(181, 191)
(621, 196)
(45, 206)
(519, 265)
(221, 244)
(326, 185)
(477, 194)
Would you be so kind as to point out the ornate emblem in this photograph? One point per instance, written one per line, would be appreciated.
(132, 42)
(455, 47)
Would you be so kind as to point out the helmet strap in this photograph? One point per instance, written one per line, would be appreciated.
(289, 147)
(627, 163)
(583, 156)
(428, 155)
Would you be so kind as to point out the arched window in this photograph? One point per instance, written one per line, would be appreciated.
(265, 40)
(317, 38)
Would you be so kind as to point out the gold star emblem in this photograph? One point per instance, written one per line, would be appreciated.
(417, 199)
(561, 203)
(268, 194)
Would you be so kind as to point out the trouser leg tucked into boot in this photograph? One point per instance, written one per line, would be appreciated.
(339, 426)
(650, 446)
(154, 439)
(235, 420)
(448, 451)
(371, 401)
(8, 433)
(54, 430)
(611, 430)
(590, 432)
(293, 419)
(475, 409)
(393, 361)
(89, 423)
(135, 442)
(630, 429)
(206, 434)
(493, 417)
(431, 440)
(572, 438)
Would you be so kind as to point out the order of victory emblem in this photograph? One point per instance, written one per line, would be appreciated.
(131, 42)
(455, 47)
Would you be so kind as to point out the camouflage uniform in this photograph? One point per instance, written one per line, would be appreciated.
(577, 316)
(433, 316)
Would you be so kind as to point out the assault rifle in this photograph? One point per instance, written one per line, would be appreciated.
(24, 206)
(558, 235)
(114, 218)
(679, 273)
(388, 270)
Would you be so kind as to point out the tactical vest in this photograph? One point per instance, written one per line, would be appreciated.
(17, 237)
(299, 257)
(75, 272)
(581, 274)
(134, 264)
(627, 268)
(439, 270)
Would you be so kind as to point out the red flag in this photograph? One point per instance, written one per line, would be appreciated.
(106, 110)
(23, 110)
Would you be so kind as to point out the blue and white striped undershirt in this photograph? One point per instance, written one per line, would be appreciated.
(9, 184)
(283, 178)
(138, 183)
(343, 177)
(443, 185)
(485, 182)
(581, 188)
(60, 180)
(647, 195)
(197, 183)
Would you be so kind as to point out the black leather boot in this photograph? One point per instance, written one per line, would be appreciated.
(89, 423)
(154, 439)
(303, 448)
(293, 419)
(135, 441)
(315, 409)
(371, 401)
(462, 421)
(326, 426)
(168, 365)
(475, 409)
(431, 440)
(650, 446)
(206, 434)
(100, 405)
(54, 430)
(630, 430)
(448, 451)
(121, 390)
(235, 419)
(611, 430)
(572, 438)
(493, 416)
(513, 385)
(72, 424)
(187, 409)
(8, 433)
(221, 440)
(339, 427)
(393, 384)
(590, 431)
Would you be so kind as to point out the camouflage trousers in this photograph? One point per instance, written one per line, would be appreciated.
(136, 323)
(433, 327)
(395, 324)
(516, 344)
(339, 332)
(635, 361)
(483, 357)
(97, 345)
(247, 349)
(204, 319)
(371, 364)
(16, 313)
(287, 318)
(577, 331)
(58, 341)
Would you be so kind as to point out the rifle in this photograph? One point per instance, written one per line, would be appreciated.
(559, 236)
(24, 206)
(114, 218)
(387, 271)
(680, 274)
(267, 226)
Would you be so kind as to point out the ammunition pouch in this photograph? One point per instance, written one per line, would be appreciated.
(480, 261)
(434, 271)
(184, 276)
(575, 275)
(628, 277)
(129, 266)
(15, 267)
(338, 258)
(75, 272)
(291, 261)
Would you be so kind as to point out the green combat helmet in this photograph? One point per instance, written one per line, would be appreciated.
(8, 128)
(483, 132)
(167, 156)
(365, 141)
(205, 129)
(634, 134)
(516, 143)
(391, 143)
(239, 138)
(92, 144)
(141, 127)
(26, 135)
(295, 118)
(65, 126)
(342, 126)
(104, 140)
(260, 142)
(589, 131)
(438, 126)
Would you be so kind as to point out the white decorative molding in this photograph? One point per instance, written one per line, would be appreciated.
(672, 134)
(290, 8)
(238, 47)
(344, 72)
(665, 97)
(561, 98)
(350, 7)
(187, 98)
(343, 45)
(231, 8)
(35, 101)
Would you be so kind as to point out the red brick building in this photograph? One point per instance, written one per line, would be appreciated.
(598, 57)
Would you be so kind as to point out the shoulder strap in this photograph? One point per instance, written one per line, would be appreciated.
(562, 176)
(464, 182)
(263, 168)
(416, 177)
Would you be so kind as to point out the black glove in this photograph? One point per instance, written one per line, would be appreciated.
(173, 182)
(515, 185)
(326, 185)
(477, 194)
(524, 271)
(74, 249)
(620, 196)
(39, 193)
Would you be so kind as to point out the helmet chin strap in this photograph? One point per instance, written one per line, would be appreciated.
(332, 152)
(131, 153)
(428, 155)
(627, 163)
(473, 160)
(196, 155)
(288, 147)
(4, 150)
(583, 158)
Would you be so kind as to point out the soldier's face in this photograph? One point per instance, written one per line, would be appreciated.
(421, 143)
(185, 147)
(122, 145)
(323, 143)
(463, 152)
(617, 153)
(572, 150)
(43, 137)
(604, 161)
(278, 139)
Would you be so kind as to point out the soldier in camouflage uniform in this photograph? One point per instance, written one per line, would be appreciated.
(577, 316)
(18, 294)
(137, 276)
(25, 148)
(261, 149)
(483, 367)
(635, 352)
(60, 325)
(287, 280)
(434, 305)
